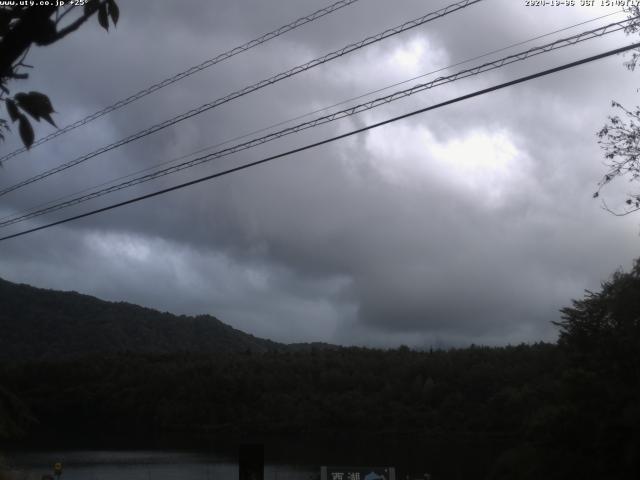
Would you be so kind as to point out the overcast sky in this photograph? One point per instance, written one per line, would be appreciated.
(473, 223)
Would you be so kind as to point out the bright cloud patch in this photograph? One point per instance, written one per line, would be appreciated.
(416, 56)
(410, 55)
(125, 247)
(378, 67)
(482, 161)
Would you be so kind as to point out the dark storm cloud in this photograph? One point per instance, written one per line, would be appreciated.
(472, 223)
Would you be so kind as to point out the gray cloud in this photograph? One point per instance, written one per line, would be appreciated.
(472, 223)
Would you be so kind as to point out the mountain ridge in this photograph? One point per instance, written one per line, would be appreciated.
(43, 324)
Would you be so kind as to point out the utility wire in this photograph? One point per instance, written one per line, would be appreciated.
(246, 90)
(284, 122)
(190, 71)
(331, 139)
(561, 43)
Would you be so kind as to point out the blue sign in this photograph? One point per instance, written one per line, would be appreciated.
(357, 473)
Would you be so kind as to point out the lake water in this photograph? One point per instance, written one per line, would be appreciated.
(142, 465)
(287, 458)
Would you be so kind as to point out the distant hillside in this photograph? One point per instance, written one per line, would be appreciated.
(39, 324)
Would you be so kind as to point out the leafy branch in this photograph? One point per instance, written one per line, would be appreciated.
(20, 28)
(620, 137)
(620, 140)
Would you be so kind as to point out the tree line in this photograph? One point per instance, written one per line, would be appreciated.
(565, 410)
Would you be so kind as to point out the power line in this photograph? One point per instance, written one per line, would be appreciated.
(21, 216)
(246, 90)
(561, 43)
(329, 140)
(186, 73)
(284, 122)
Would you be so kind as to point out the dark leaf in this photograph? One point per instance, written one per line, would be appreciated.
(4, 28)
(114, 11)
(36, 104)
(48, 118)
(12, 109)
(45, 33)
(43, 102)
(26, 131)
(103, 17)
(90, 7)
(6, 15)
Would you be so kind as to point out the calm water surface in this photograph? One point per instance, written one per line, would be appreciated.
(143, 465)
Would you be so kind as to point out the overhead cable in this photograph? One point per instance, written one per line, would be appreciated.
(186, 73)
(328, 140)
(246, 90)
(298, 117)
(485, 67)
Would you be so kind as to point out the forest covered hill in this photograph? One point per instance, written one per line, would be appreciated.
(554, 411)
(47, 324)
